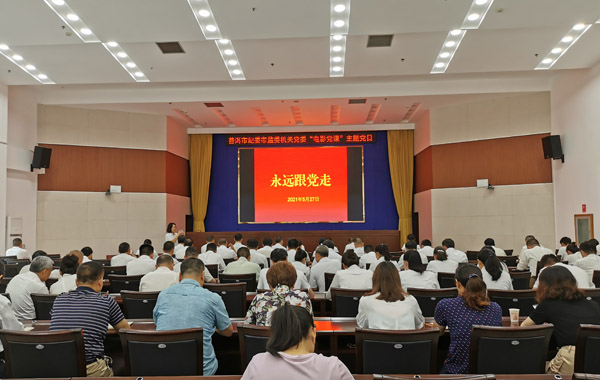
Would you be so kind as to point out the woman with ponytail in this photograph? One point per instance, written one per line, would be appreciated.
(382, 253)
(494, 275)
(291, 351)
(471, 307)
(414, 274)
(441, 263)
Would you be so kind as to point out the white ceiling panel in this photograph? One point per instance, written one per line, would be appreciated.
(12, 74)
(585, 53)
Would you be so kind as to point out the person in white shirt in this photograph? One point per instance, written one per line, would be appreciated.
(209, 239)
(359, 247)
(255, 257)
(562, 251)
(441, 263)
(531, 256)
(300, 261)
(172, 233)
(280, 254)
(18, 250)
(350, 244)
(426, 250)
(8, 320)
(68, 275)
(525, 246)
(573, 254)
(22, 286)
(266, 248)
(333, 252)
(192, 253)
(414, 274)
(179, 250)
(212, 257)
(292, 246)
(55, 274)
(453, 253)
(410, 237)
(389, 306)
(243, 265)
(143, 264)
(489, 242)
(382, 253)
(323, 265)
(123, 257)
(278, 243)
(88, 254)
(352, 276)
(412, 245)
(493, 274)
(237, 242)
(581, 277)
(590, 261)
(225, 251)
(162, 277)
(368, 258)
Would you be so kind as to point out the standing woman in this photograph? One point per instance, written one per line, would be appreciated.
(172, 233)
(471, 307)
(561, 303)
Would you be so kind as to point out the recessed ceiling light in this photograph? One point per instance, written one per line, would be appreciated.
(450, 43)
(449, 48)
(43, 76)
(121, 54)
(228, 52)
(58, 2)
(203, 13)
(211, 28)
(440, 64)
(455, 32)
(139, 74)
(17, 57)
(237, 72)
(567, 39)
(130, 64)
(337, 37)
(556, 50)
(339, 8)
(562, 46)
(3, 47)
(85, 31)
(480, 2)
(339, 23)
(473, 17)
(578, 26)
(30, 67)
(445, 55)
(337, 48)
(336, 68)
(224, 41)
(112, 44)
(232, 62)
(547, 60)
(72, 17)
(337, 59)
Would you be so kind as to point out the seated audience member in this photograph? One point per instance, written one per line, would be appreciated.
(368, 258)
(278, 243)
(359, 247)
(291, 351)
(168, 249)
(17, 250)
(280, 254)
(530, 257)
(414, 274)
(489, 242)
(426, 250)
(192, 253)
(562, 251)
(333, 252)
(471, 307)
(528, 237)
(188, 305)
(68, 273)
(8, 320)
(573, 254)
(590, 260)
(494, 276)
(55, 274)
(350, 244)
(162, 277)
(453, 253)
(123, 257)
(412, 245)
(292, 246)
(143, 264)
(266, 247)
(581, 276)
(180, 247)
(87, 309)
(352, 276)
(172, 233)
(382, 253)
(323, 265)
(255, 257)
(149, 242)
(88, 254)
(389, 306)
(224, 251)
(22, 286)
(300, 262)
(237, 241)
(281, 277)
(413, 238)
(441, 263)
(209, 239)
(565, 306)
(212, 257)
(243, 265)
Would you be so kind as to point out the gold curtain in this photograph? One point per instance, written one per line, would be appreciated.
(400, 155)
(200, 162)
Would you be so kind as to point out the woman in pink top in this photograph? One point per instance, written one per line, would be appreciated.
(291, 351)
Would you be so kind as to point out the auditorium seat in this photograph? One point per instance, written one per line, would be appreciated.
(344, 302)
(227, 261)
(51, 281)
(587, 348)
(446, 280)
(3, 283)
(163, 353)
(234, 297)
(592, 294)
(122, 270)
(138, 304)
(509, 299)
(509, 350)
(36, 354)
(43, 305)
(508, 252)
(103, 262)
(520, 280)
(328, 280)
(472, 255)
(253, 340)
(429, 298)
(596, 278)
(510, 261)
(396, 351)
(213, 269)
(54, 256)
(6, 295)
(249, 279)
(123, 282)
(11, 270)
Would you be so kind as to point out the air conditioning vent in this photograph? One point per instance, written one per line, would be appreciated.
(357, 101)
(213, 105)
(384, 40)
(170, 47)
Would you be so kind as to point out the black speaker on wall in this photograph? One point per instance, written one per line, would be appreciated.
(552, 148)
(41, 158)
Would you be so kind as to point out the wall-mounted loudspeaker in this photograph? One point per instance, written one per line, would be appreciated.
(41, 158)
(552, 148)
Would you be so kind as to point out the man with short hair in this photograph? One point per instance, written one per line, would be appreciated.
(209, 239)
(212, 257)
(292, 246)
(369, 257)
(583, 281)
(266, 248)
(426, 249)
(350, 244)
(188, 305)
(237, 241)
(299, 262)
(453, 253)
(323, 265)
(531, 256)
(18, 250)
(528, 237)
(87, 254)
(88, 309)
(162, 277)
(224, 251)
(123, 257)
(352, 276)
(55, 274)
(22, 286)
(573, 254)
(179, 250)
(333, 255)
(192, 253)
(359, 247)
(562, 251)
(410, 237)
(143, 264)
(489, 242)
(280, 254)
(242, 265)
(278, 242)
(590, 261)
(412, 245)
(255, 257)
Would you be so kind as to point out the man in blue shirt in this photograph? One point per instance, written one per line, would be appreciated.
(188, 305)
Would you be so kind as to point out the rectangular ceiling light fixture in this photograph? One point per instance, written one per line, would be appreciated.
(120, 56)
(338, 26)
(232, 63)
(30, 69)
(64, 11)
(562, 46)
(476, 14)
(448, 50)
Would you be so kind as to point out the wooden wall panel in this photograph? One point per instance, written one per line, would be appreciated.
(424, 170)
(177, 175)
(81, 168)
